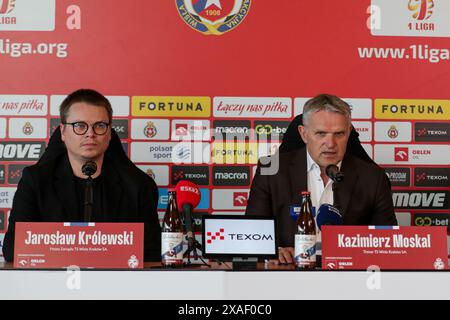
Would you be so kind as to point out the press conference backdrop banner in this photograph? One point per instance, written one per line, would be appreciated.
(181, 74)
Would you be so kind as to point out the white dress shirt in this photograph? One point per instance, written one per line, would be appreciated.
(320, 194)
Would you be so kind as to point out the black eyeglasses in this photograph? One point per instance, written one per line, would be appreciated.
(81, 127)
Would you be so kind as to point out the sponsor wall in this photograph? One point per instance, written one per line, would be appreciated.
(184, 75)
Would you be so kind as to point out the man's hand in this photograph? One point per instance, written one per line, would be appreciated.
(285, 256)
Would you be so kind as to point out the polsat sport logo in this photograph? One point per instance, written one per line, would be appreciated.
(421, 9)
(213, 17)
(7, 6)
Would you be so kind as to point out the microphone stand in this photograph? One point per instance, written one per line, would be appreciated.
(193, 244)
(88, 199)
(88, 169)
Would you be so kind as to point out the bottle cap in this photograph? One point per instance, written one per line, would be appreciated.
(172, 190)
(305, 193)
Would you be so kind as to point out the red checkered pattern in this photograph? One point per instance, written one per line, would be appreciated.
(211, 236)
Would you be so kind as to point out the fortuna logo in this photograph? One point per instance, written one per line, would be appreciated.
(401, 154)
(150, 130)
(392, 132)
(217, 235)
(7, 6)
(423, 9)
(27, 129)
(213, 17)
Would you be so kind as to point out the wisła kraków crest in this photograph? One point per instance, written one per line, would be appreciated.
(213, 16)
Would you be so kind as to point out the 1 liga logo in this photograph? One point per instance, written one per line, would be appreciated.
(422, 9)
(6, 6)
(213, 17)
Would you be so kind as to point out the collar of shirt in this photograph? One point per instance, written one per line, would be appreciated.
(320, 194)
(312, 165)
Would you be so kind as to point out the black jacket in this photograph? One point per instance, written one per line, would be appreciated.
(47, 193)
(365, 193)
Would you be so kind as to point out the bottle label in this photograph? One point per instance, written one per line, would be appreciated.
(172, 247)
(305, 250)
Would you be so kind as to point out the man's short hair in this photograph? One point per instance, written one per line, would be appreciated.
(326, 102)
(87, 96)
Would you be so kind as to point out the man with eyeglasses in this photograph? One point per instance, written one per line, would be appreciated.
(53, 190)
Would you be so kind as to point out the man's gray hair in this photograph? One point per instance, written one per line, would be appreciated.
(326, 102)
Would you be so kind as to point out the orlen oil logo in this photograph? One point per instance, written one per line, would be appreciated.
(240, 199)
(181, 129)
(401, 154)
(173, 107)
(422, 9)
(213, 17)
(7, 6)
(212, 236)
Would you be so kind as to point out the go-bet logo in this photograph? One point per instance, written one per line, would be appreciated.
(427, 220)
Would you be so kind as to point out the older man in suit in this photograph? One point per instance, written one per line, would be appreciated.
(364, 194)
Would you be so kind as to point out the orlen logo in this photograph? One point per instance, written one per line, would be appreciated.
(7, 6)
(210, 236)
(240, 199)
(401, 154)
(422, 9)
(181, 129)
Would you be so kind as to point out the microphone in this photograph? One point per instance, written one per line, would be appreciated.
(88, 169)
(333, 173)
(328, 215)
(188, 197)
